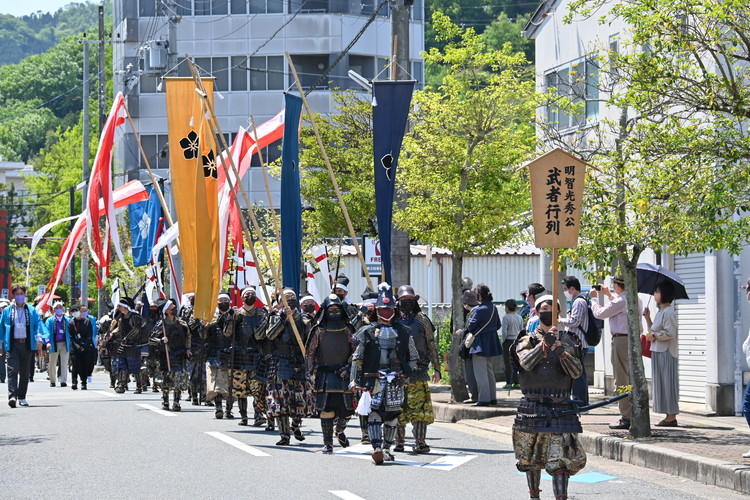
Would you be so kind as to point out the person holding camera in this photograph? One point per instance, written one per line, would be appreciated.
(616, 311)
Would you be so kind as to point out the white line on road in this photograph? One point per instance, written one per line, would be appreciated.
(345, 495)
(108, 394)
(238, 444)
(156, 410)
(448, 460)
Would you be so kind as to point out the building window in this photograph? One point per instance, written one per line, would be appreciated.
(238, 6)
(239, 76)
(156, 147)
(147, 8)
(267, 6)
(364, 65)
(219, 7)
(579, 82)
(184, 7)
(218, 67)
(270, 153)
(266, 72)
(417, 68)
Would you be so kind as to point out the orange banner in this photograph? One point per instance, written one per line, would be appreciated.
(192, 166)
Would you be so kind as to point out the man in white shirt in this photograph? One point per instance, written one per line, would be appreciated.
(616, 311)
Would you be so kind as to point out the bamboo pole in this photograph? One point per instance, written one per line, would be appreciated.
(330, 173)
(216, 131)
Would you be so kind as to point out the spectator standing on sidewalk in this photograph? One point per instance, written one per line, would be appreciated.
(662, 333)
(484, 325)
(57, 339)
(512, 324)
(746, 350)
(22, 332)
(616, 311)
(535, 290)
(470, 302)
(576, 324)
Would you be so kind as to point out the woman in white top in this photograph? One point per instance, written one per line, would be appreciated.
(662, 333)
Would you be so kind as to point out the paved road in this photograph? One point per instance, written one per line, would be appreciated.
(97, 444)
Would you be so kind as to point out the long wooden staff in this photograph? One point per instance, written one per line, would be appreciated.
(218, 134)
(330, 172)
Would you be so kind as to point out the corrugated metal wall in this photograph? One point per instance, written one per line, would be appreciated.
(691, 334)
(506, 275)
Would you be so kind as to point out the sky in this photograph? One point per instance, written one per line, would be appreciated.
(21, 8)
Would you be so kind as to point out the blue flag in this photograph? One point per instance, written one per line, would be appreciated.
(291, 202)
(391, 104)
(144, 222)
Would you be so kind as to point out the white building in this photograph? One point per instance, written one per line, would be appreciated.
(715, 321)
(242, 44)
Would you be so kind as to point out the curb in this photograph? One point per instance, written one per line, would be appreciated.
(694, 467)
(451, 412)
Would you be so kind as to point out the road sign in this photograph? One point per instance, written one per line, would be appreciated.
(5, 293)
(40, 290)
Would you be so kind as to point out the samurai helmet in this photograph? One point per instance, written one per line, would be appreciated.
(385, 297)
(406, 292)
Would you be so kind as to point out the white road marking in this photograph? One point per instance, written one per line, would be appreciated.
(345, 495)
(108, 394)
(156, 410)
(447, 460)
(237, 444)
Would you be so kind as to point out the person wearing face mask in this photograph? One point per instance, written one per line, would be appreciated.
(57, 340)
(577, 322)
(104, 342)
(23, 333)
(288, 398)
(249, 353)
(418, 410)
(341, 289)
(171, 333)
(307, 306)
(549, 363)
(196, 365)
(93, 359)
(82, 346)
(329, 355)
(126, 329)
(484, 325)
(219, 334)
(384, 358)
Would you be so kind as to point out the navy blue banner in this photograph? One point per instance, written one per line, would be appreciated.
(392, 102)
(144, 222)
(291, 202)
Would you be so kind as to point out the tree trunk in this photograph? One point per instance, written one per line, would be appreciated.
(459, 391)
(640, 424)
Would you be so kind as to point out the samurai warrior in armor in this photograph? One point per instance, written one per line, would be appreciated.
(329, 355)
(288, 399)
(353, 314)
(149, 358)
(196, 365)
(170, 339)
(418, 410)
(248, 376)
(384, 358)
(219, 334)
(541, 439)
(105, 344)
(128, 329)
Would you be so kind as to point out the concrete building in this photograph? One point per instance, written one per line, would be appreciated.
(241, 43)
(715, 321)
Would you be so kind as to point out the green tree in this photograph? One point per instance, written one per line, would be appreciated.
(459, 165)
(667, 177)
(347, 135)
(24, 132)
(505, 30)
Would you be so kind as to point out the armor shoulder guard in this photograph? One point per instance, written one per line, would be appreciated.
(423, 320)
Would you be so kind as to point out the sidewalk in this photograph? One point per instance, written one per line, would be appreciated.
(703, 448)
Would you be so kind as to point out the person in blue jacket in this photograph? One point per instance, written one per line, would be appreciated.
(57, 340)
(484, 324)
(22, 333)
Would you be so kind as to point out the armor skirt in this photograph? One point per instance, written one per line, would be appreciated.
(246, 384)
(175, 380)
(217, 382)
(554, 452)
(418, 406)
(289, 397)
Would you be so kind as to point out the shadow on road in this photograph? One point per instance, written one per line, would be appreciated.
(20, 440)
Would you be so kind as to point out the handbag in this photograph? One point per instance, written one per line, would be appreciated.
(645, 347)
(470, 337)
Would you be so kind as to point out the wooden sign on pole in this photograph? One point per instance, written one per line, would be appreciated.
(557, 180)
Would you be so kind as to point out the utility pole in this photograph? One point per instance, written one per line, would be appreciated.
(74, 292)
(103, 296)
(172, 33)
(85, 165)
(400, 244)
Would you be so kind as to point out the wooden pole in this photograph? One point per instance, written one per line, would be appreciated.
(555, 285)
(330, 173)
(217, 134)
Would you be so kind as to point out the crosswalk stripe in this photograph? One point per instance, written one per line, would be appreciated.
(238, 444)
(108, 394)
(345, 495)
(156, 410)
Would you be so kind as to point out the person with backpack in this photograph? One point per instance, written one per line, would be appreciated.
(577, 323)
